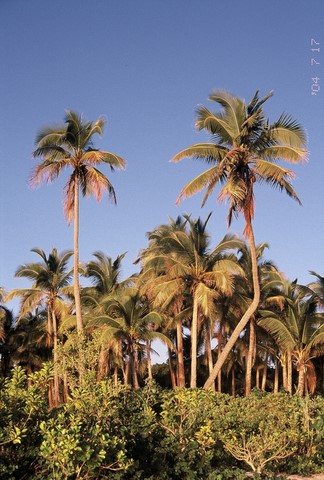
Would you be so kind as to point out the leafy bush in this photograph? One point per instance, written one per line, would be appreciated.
(106, 430)
(22, 410)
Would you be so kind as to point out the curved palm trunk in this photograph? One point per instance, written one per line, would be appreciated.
(76, 258)
(194, 335)
(249, 360)
(247, 315)
(180, 357)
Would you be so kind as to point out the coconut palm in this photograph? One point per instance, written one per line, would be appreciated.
(171, 303)
(71, 146)
(104, 274)
(299, 330)
(189, 265)
(51, 278)
(244, 151)
(125, 317)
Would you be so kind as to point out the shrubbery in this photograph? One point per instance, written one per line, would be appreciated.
(110, 431)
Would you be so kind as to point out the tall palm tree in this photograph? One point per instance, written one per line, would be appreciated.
(51, 278)
(189, 265)
(71, 145)
(245, 150)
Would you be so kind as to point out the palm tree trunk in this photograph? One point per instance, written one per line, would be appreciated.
(264, 374)
(149, 362)
(257, 376)
(56, 386)
(284, 371)
(289, 372)
(247, 315)
(249, 360)
(180, 357)
(276, 377)
(209, 351)
(219, 351)
(172, 375)
(76, 258)
(301, 381)
(233, 382)
(194, 336)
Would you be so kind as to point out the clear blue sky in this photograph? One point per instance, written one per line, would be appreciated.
(146, 65)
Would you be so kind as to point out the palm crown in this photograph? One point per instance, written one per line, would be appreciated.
(245, 150)
(72, 146)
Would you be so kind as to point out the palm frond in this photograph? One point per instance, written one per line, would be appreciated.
(208, 152)
(199, 182)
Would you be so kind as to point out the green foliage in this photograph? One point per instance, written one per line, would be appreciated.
(21, 412)
(108, 430)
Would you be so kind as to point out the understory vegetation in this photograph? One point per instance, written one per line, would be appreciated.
(108, 430)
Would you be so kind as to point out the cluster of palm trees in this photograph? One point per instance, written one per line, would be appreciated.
(236, 311)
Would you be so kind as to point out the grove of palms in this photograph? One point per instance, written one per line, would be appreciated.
(222, 311)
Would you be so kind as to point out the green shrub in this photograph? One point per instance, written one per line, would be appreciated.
(23, 406)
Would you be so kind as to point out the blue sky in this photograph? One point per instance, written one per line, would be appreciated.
(146, 65)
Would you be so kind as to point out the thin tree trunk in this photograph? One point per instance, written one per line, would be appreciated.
(233, 382)
(180, 357)
(289, 372)
(149, 362)
(257, 376)
(284, 371)
(276, 377)
(134, 363)
(264, 374)
(56, 385)
(247, 315)
(116, 376)
(194, 336)
(249, 360)
(172, 375)
(209, 351)
(76, 258)
(219, 351)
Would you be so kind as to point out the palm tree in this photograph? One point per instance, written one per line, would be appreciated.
(71, 145)
(191, 266)
(244, 151)
(298, 330)
(125, 317)
(51, 279)
(104, 274)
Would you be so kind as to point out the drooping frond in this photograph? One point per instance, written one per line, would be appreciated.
(95, 157)
(284, 152)
(288, 131)
(96, 183)
(197, 184)
(48, 171)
